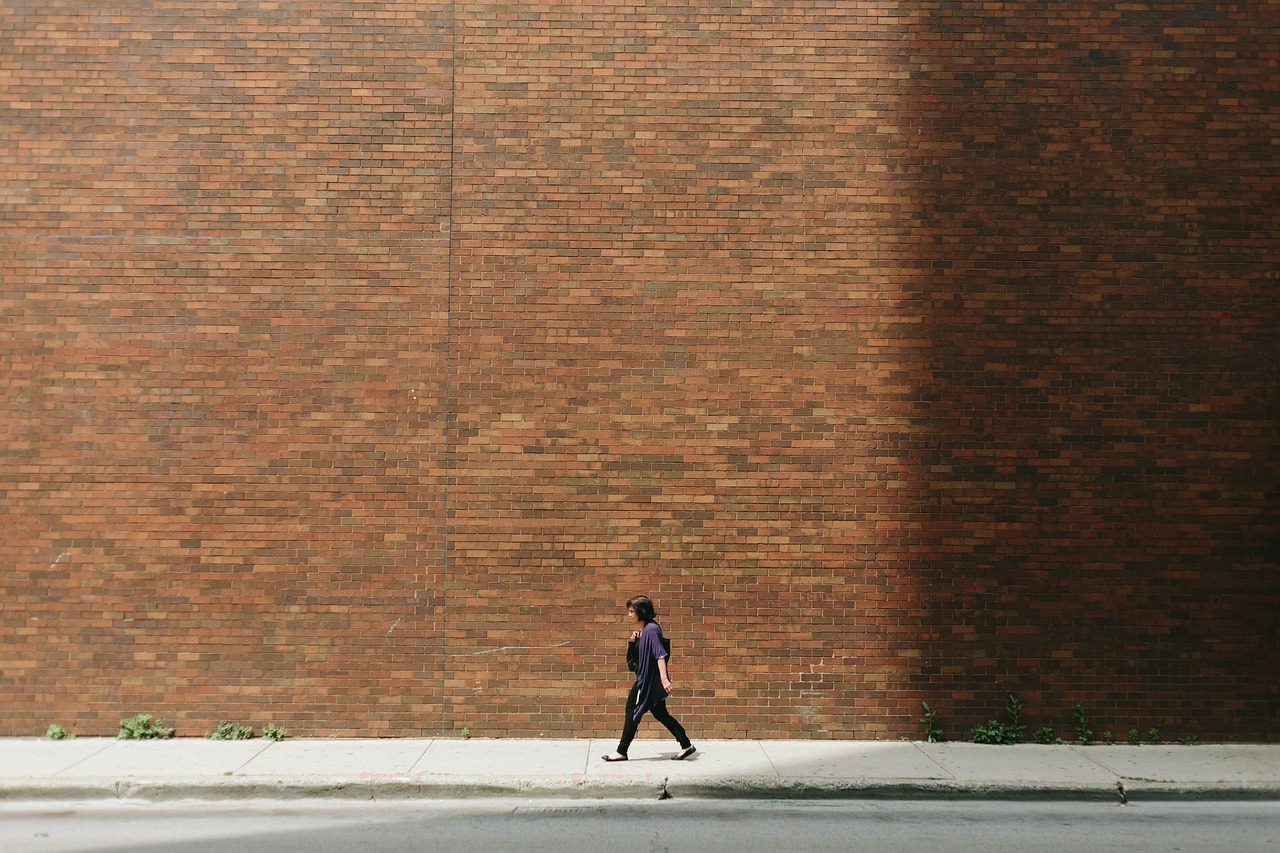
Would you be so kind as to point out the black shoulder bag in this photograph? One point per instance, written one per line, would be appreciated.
(633, 652)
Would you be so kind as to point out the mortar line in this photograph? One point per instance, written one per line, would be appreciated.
(219, 238)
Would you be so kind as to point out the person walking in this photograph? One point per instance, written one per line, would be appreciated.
(653, 681)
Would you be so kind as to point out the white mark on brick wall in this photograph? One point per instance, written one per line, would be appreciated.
(505, 648)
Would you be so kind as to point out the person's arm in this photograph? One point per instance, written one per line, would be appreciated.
(662, 671)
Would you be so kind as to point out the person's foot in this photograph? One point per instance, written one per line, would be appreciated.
(614, 756)
(684, 753)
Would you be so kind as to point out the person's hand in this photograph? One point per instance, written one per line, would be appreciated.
(668, 686)
(635, 635)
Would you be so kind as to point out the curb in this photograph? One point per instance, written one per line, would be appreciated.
(152, 790)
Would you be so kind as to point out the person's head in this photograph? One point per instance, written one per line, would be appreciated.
(642, 607)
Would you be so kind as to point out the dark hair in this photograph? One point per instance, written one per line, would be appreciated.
(643, 608)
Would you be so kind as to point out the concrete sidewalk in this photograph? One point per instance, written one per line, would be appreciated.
(191, 768)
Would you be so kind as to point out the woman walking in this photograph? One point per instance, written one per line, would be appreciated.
(653, 682)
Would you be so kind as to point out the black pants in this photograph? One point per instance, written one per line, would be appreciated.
(660, 714)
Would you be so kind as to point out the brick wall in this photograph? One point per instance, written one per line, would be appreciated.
(361, 358)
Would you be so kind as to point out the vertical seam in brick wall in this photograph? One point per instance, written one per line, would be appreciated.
(445, 710)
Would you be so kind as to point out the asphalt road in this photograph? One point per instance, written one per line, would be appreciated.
(706, 826)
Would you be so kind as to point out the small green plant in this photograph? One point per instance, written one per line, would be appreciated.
(57, 732)
(932, 726)
(231, 731)
(1108, 738)
(996, 732)
(1045, 735)
(1014, 712)
(142, 727)
(466, 733)
(1189, 741)
(1084, 734)
(1153, 735)
(1135, 739)
(273, 732)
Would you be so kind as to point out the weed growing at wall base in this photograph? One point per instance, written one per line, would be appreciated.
(1045, 736)
(1084, 734)
(1011, 731)
(231, 731)
(142, 727)
(932, 728)
(996, 732)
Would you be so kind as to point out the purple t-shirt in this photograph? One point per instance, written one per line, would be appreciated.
(649, 650)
